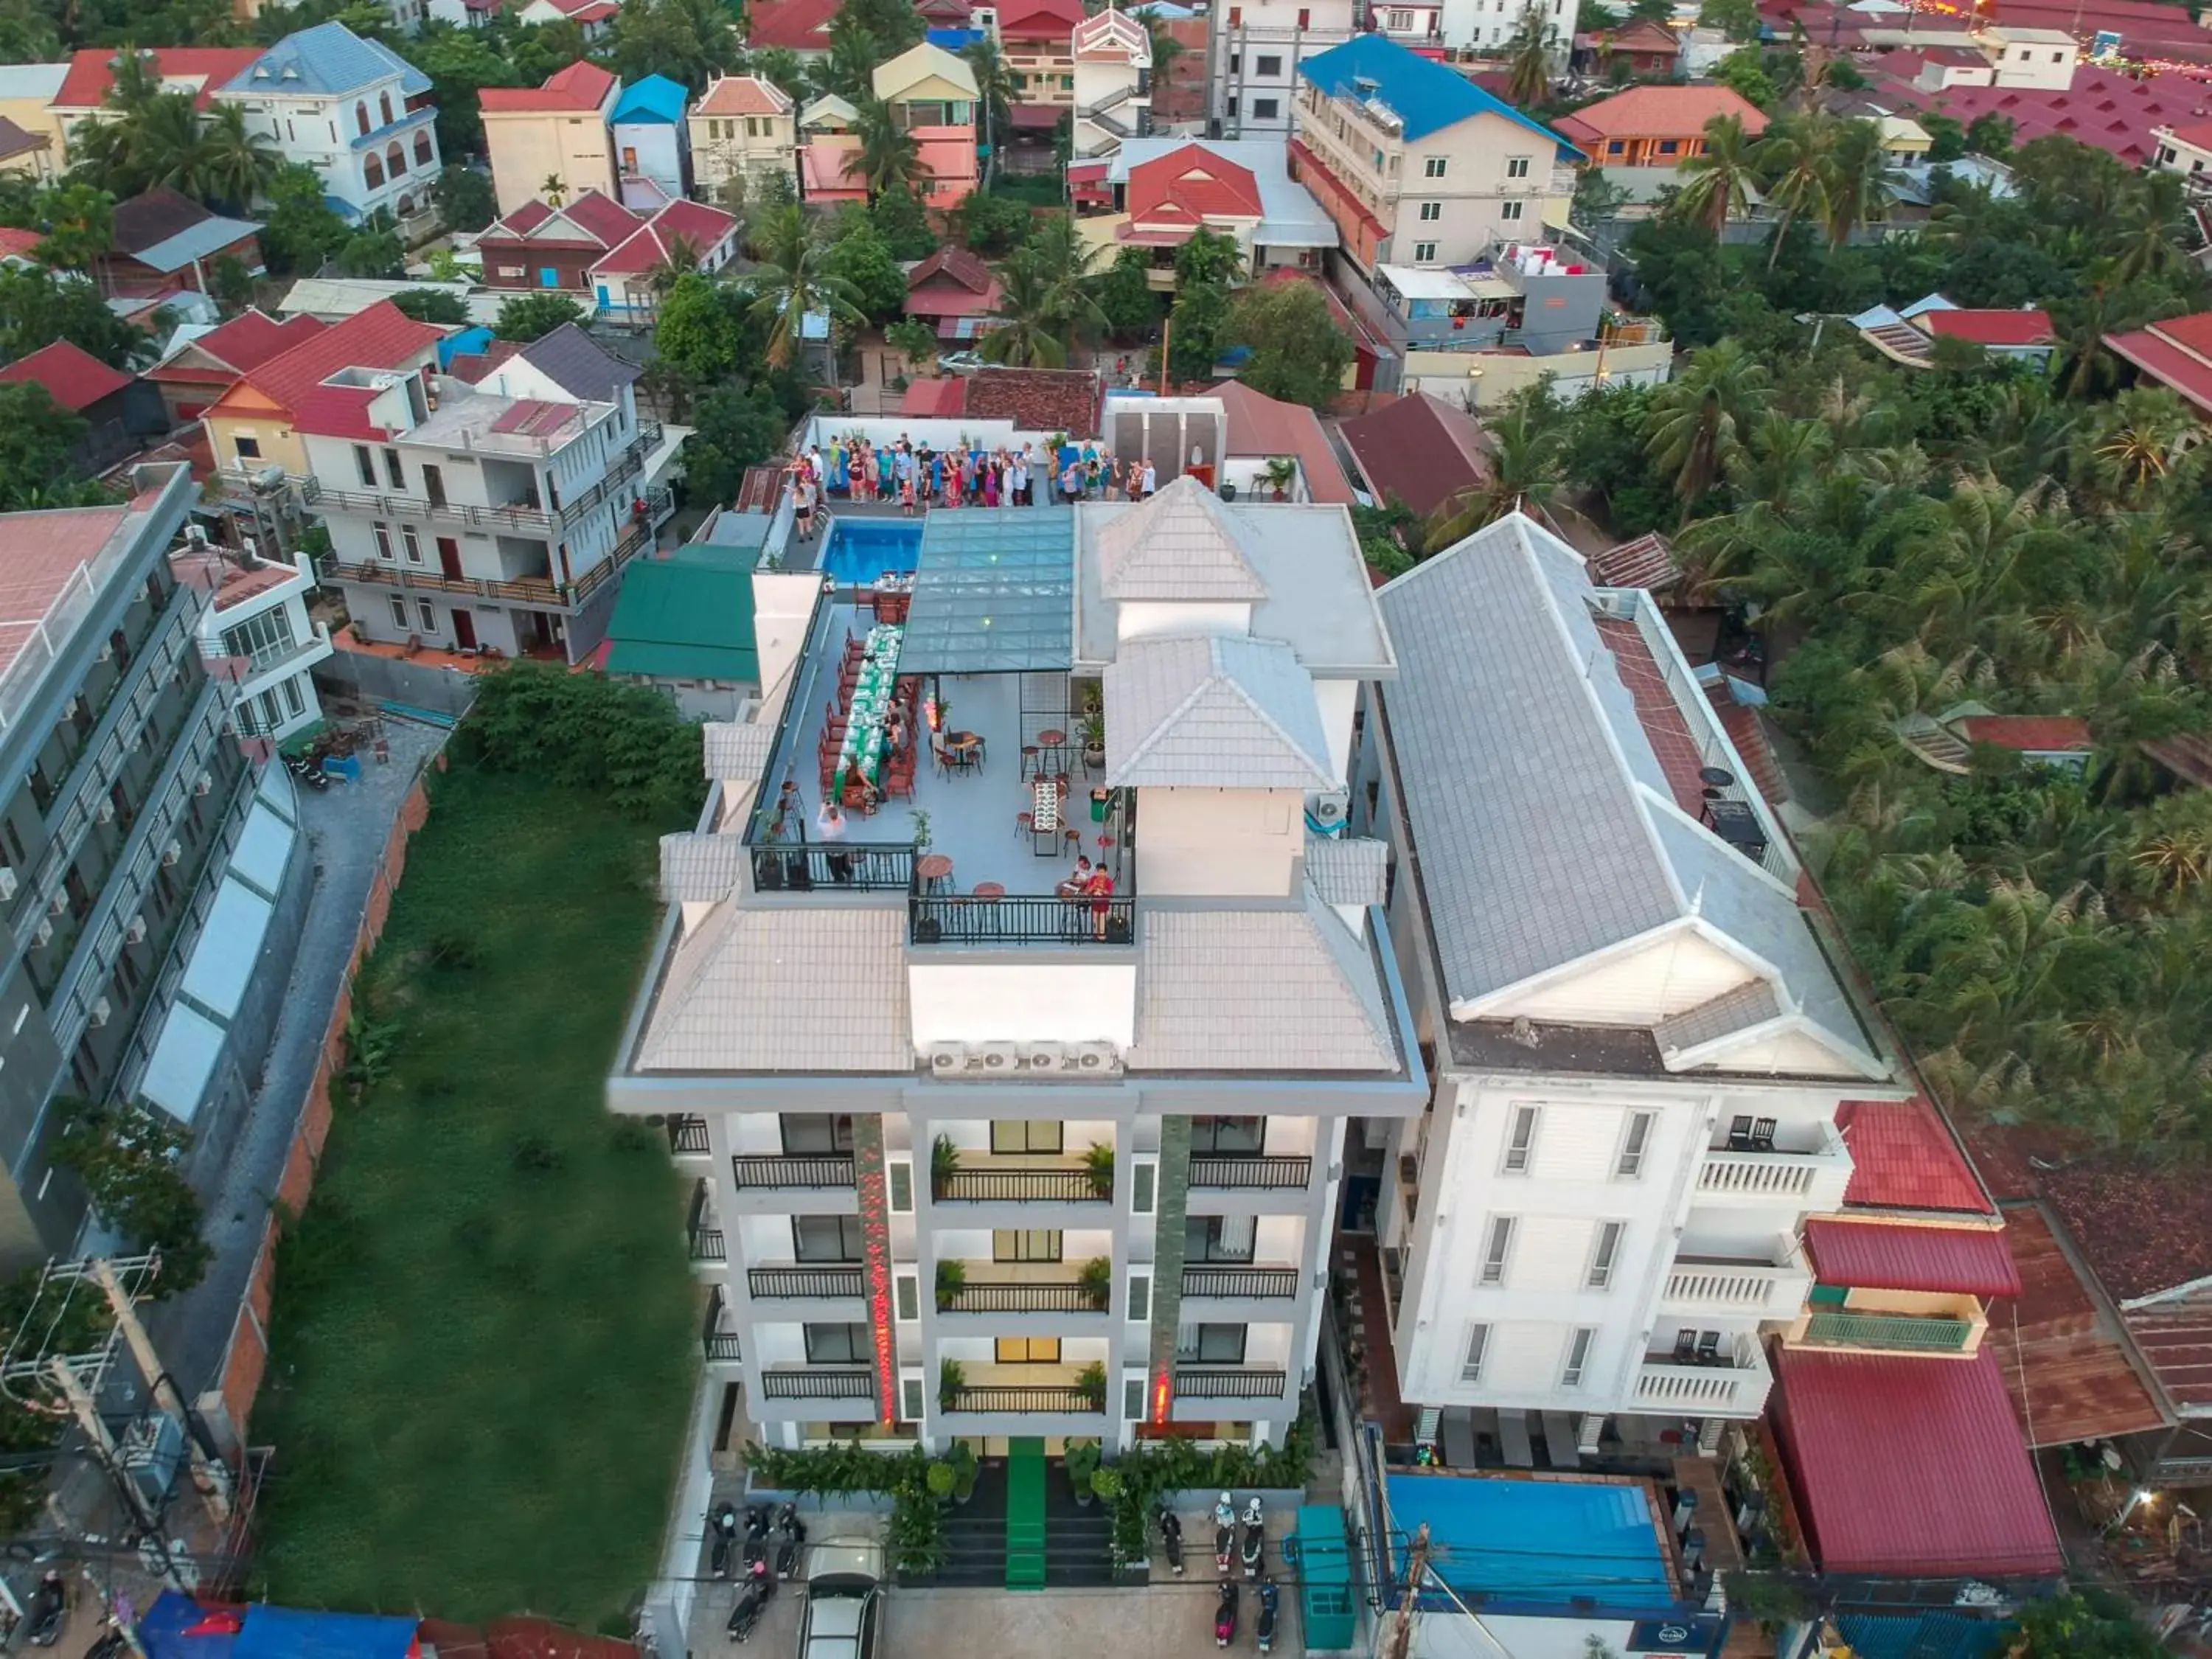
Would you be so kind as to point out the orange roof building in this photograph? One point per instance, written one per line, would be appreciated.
(557, 130)
(1655, 126)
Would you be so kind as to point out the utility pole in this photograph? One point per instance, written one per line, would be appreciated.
(212, 1477)
(1416, 1570)
(104, 1454)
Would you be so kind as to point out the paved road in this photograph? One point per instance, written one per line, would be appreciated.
(1162, 1622)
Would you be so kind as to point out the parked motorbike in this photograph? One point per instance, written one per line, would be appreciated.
(756, 1548)
(722, 1538)
(753, 1595)
(1264, 1625)
(1225, 1534)
(790, 1535)
(1255, 1551)
(42, 1624)
(1171, 1539)
(309, 772)
(1225, 1615)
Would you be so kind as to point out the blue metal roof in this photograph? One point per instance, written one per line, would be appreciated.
(656, 98)
(1427, 96)
(326, 61)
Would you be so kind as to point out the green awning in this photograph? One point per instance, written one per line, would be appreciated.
(689, 616)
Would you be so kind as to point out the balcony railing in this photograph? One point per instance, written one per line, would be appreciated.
(818, 1383)
(1897, 1333)
(687, 1136)
(803, 1171)
(1025, 1397)
(1208, 1170)
(1020, 1187)
(1734, 1383)
(708, 1244)
(856, 867)
(824, 1284)
(517, 516)
(1017, 1296)
(528, 590)
(960, 919)
(1240, 1281)
(721, 1345)
(1238, 1384)
(1737, 1287)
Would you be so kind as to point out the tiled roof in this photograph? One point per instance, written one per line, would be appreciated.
(736, 751)
(1038, 399)
(381, 337)
(697, 868)
(40, 553)
(1215, 711)
(934, 396)
(2154, 351)
(14, 141)
(92, 72)
(956, 265)
(1874, 1255)
(154, 216)
(326, 61)
(1113, 34)
(1258, 990)
(1262, 426)
(2067, 1371)
(1427, 96)
(16, 243)
(253, 338)
(1347, 869)
(1662, 112)
(1903, 1157)
(807, 989)
(2175, 1340)
(1190, 185)
(471, 367)
(579, 365)
(1738, 1009)
(743, 95)
(73, 377)
(337, 411)
(592, 217)
(795, 25)
(654, 98)
(1909, 1467)
(2028, 734)
(2109, 109)
(1040, 20)
(891, 80)
(1181, 545)
(582, 86)
(2141, 1230)
(695, 222)
(1990, 328)
(1419, 449)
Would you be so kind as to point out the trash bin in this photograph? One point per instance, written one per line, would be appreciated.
(1098, 800)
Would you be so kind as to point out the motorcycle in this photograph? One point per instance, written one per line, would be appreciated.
(1225, 1534)
(1225, 1615)
(790, 1535)
(753, 1595)
(42, 1624)
(1264, 1627)
(722, 1535)
(1171, 1540)
(1255, 1538)
(308, 772)
(756, 1550)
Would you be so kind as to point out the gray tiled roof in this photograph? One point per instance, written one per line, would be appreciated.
(1348, 869)
(1182, 545)
(802, 989)
(1287, 989)
(695, 867)
(737, 753)
(1752, 1003)
(1216, 711)
(580, 365)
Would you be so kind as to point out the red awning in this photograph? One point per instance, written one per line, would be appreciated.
(1911, 1466)
(1873, 1256)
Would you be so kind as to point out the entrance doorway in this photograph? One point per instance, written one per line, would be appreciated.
(464, 630)
(449, 556)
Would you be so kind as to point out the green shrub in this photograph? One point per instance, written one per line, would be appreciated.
(131, 1162)
(625, 743)
(952, 1279)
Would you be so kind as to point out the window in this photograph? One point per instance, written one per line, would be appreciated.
(1432, 167)
(1635, 1141)
(910, 1406)
(1209, 1345)
(1236, 17)
(1602, 1258)
(1477, 1345)
(811, 1132)
(412, 543)
(382, 531)
(1031, 1244)
(900, 1172)
(1141, 1297)
(294, 699)
(394, 473)
(1016, 1136)
(1219, 1237)
(906, 1292)
(826, 1239)
(1424, 253)
(423, 152)
(1269, 66)
(1133, 1398)
(1669, 146)
(430, 616)
(1615, 147)
(1144, 1176)
(1431, 211)
(372, 171)
(1496, 1249)
(1026, 1351)
(261, 639)
(1230, 1135)
(1517, 167)
(383, 106)
(1520, 1141)
(361, 116)
(1578, 1353)
(364, 464)
(836, 1345)
(1399, 22)
(399, 612)
(1267, 109)
(1510, 210)
(249, 447)
(1232, 106)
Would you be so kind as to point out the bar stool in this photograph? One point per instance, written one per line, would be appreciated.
(1031, 761)
(1025, 823)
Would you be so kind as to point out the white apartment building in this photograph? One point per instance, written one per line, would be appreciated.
(1490, 25)
(1253, 51)
(975, 1160)
(1641, 1042)
(1112, 56)
(742, 127)
(496, 517)
(354, 110)
(259, 622)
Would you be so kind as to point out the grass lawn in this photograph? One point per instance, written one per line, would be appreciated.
(486, 1330)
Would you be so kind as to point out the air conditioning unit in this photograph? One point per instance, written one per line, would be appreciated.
(69, 708)
(58, 903)
(7, 884)
(43, 934)
(135, 932)
(100, 1012)
(1045, 1056)
(171, 853)
(947, 1058)
(203, 784)
(104, 811)
(1325, 812)
(107, 651)
(996, 1058)
(1096, 1059)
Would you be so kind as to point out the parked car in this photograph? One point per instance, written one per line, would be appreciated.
(844, 1614)
(960, 362)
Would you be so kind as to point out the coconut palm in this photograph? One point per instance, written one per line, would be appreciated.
(995, 91)
(1696, 423)
(1529, 58)
(1065, 262)
(1718, 179)
(887, 155)
(1027, 334)
(1524, 471)
(789, 286)
(1856, 187)
(237, 163)
(2144, 242)
(679, 258)
(1970, 564)
(554, 190)
(2144, 435)
(1793, 157)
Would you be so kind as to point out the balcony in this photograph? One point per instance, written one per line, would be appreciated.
(524, 517)
(1024, 1399)
(963, 919)
(526, 590)
(805, 1283)
(716, 1336)
(786, 1173)
(1010, 1184)
(819, 1383)
(1890, 1333)
(687, 1137)
(1251, 1173)
(1811, 1180)
(1007, 1288)
(1732, 1383)
(850, 866)
(1752, 1290)
(1240, 1382)
(708, 1245)
(1223, 1282)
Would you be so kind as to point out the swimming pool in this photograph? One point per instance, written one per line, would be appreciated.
(861, 550)
(1543, 1543)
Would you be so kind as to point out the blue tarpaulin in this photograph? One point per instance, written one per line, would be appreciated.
(265, 1633)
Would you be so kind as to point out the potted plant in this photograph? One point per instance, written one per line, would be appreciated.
(952, 1279)
(920, 831)
(944, 1165)
(964, 1470)
(1106, 1483)
(1090, 1383)
(1092, 725)
(942, 1478)
(1081, 1460)
(1099, 1161)
(951, 1377)
(1096, 1279)
(1280, 472)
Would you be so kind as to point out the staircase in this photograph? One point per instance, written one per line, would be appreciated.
(1025, 1529)
(1078, 1538)
(975, 1534)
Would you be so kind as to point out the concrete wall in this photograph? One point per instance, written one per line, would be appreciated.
(383, 679)
(1219, 842)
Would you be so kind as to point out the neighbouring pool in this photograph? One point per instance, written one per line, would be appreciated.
(1541, 1543)
(859, 549)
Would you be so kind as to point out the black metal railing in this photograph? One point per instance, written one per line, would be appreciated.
(719, 1343)
(1209, 1170)
(824, 1282)
(803, 1171)
(815, 1383)
(1230, 1385)
(1020, 1187)
(1016, 1296)
(962, 919)
(688, 1135)
(1240, 1281)
(856, 867)
(708, 1245)
(1024, 1397)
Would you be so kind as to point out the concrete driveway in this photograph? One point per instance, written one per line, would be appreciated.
(1163, 1621)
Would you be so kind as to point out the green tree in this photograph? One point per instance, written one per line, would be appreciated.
(230, 283)
(1716, 182)
(461, 63)
(700, 330)
(1857, 187)
(1197, 329)
(863, 260)
(887, 156)
(1737, 19)
(38, 307)
(79, 223)
(1298, 353)
(1990, 135)
(1697, 421)
(237, 164)
(1794, 159)
(373, 250)
(299, 228)
(687, 40)
(1131, 306)
(1209, 257)
(904, 223)
(994, 93)
(1524, 473)
(1027, 335)
(732, 430)
(915, 341)
(1529, 65)
(528, 316)
(37, 437)
(1744, 71)
(1947, 139)
(789, 286)
(994, 225)
(130, 1161)
(2096, 1624)
(1597, 199)
(432, 305)
(464, 198)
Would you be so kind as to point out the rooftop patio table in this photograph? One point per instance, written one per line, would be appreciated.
(867, 747)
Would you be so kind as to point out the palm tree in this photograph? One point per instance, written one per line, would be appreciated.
(2144, 244)
(1529, 58)
(1693, 430)
(1794, 156)
(238, 163)
(555, 190)
(1720, 176)
(1970, 564)
(1856, 189)
(789, 286)
(1064, 264)
(1026, 336)
(2144, 435)
(887, 155)
(994, 95)
(79, 222)
(166, 147)
(680, 257)
(1524, 471)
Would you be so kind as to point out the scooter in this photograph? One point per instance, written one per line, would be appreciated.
(1225, 1615)
(1171, 1540)
(1225, 1534)
(722, 1532)
(307, 771)
(1264, 1627)
(42, 1625)
(756, 1551)
(790, 1534)
(752, 1595)
(1255, 1538)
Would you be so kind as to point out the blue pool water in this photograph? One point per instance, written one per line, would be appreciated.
(859, 550)
(1539, 1542)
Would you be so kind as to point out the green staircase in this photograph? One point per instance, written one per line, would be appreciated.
(1026, 1514)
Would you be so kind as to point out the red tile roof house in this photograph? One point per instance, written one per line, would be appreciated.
(1263, 428)
(2176, 353)
(1655, 126)
(951, 287)
(201, 370)
(1419, 450)
(121, 411)
(799, 25)
(621, 284)
(1038, 39)
(2025, 336)
(166, 243)
(553, 249)
(1171, 197)
(197, 70)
